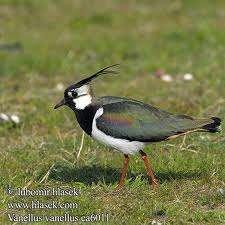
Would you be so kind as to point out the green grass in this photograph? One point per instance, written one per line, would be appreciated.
(62, 41)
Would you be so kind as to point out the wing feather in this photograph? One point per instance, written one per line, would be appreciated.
(133, 120)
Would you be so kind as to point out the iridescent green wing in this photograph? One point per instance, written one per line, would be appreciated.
(134, 120)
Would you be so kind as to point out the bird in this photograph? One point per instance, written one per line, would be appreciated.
(128, 125)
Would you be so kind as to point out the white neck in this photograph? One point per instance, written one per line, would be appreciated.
(83, 101)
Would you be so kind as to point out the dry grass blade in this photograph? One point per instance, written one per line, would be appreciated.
(81, 147)
(45, 177)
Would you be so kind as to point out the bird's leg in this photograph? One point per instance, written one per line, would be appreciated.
(124, 172)
(152, 179)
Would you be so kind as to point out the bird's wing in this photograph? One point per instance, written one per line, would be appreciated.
(133, 120)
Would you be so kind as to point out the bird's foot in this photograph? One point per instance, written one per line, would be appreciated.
(119, 186)
(154, 183)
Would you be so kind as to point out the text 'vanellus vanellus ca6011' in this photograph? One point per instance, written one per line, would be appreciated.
(127, 125)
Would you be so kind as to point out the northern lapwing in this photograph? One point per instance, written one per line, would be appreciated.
(128, 125)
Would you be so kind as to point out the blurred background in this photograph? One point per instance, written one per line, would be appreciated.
(171, 55)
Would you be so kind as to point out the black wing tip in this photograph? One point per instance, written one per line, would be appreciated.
(214, 126)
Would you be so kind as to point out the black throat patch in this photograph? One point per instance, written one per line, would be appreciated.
(85, 117)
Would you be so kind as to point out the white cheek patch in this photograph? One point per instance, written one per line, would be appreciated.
(82, 101)
(83, 90)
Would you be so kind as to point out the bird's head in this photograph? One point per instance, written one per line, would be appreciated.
(78, 96)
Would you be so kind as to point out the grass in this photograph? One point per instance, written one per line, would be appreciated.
(43, 43)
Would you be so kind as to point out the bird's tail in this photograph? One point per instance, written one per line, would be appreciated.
(213, 126)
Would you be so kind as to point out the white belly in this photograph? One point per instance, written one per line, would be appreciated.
(125, 146)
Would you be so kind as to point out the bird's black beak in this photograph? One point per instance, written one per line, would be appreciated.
(61, 103)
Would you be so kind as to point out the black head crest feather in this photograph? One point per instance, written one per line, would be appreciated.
(100, 72)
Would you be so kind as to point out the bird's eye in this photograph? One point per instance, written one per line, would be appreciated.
(74, 94)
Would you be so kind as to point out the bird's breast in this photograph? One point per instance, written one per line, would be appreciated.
(85, 118)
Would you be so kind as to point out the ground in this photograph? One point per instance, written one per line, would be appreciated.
(47, 44)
